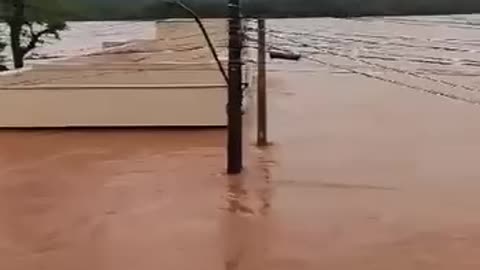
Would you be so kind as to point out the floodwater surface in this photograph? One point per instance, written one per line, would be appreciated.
(364, 172)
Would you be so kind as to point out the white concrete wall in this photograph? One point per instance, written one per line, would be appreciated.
(112, 106)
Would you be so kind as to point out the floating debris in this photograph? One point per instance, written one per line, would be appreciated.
(285, 55)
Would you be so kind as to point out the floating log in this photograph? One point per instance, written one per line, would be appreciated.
(285, 55)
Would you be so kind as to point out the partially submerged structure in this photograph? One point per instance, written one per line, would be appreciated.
(170, 81)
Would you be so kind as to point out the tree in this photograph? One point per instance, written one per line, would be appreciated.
(30, 25)
(2, 58)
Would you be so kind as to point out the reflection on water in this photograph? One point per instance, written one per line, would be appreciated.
(247, 223)
(246, 230)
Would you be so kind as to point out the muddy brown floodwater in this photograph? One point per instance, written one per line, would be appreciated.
(355, 179)
(363, 174)
(108, 199)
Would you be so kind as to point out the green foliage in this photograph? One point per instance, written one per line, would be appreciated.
(157, 9)
(45, 10)
(41, 10)
(355, 8)
(2, 47)
(33, 34)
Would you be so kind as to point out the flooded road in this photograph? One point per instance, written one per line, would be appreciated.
(370, 176)
(355, 178)
(362, 174)
(80, 199)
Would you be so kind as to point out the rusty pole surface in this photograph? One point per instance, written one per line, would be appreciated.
(262, 139)
(235, 96)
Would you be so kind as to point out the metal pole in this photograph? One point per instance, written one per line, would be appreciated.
(262, 87)
(235, 96)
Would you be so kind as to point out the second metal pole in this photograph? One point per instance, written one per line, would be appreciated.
(262, 87)
(235, 95)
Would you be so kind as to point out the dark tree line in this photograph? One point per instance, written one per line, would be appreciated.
(356, 8)
(158, 9)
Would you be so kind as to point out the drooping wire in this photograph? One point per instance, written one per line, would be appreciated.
(320, 49)
(398, 70)
(175, 2)
(206, 36)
